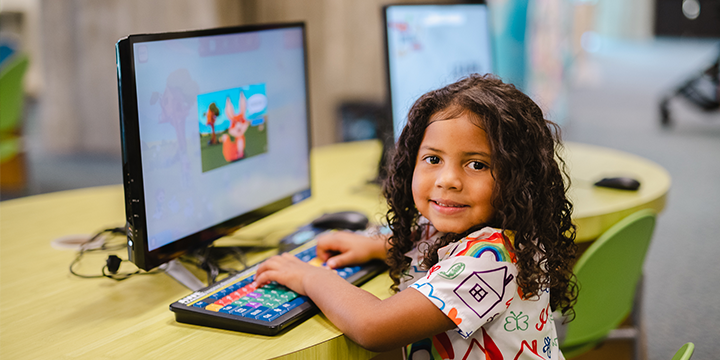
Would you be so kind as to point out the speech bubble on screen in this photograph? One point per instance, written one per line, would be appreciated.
(256, 104)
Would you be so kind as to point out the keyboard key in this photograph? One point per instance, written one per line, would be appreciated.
(214, 307)
(200, 304)
(232, 288)
(227, 309)
(294, 303)
(215, 296)
(307, 255)
(270, 285)
(241, 301)
(245, 290)
(263, 290)
(271, 314)
(256, 313)
(315, 262)
(241, 310)
(288, 296)
(273, 303)
(267, 301)
(278, 290)
(243, 283)
(228, 299)
(253, 304)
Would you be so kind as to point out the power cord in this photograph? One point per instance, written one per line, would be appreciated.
(207, 259)
(112, 264)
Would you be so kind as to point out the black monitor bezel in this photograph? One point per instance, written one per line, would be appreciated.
(136, 219)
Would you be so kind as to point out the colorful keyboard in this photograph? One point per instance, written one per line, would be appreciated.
(235, 304)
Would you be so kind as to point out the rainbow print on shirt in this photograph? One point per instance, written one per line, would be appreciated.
(494, 244)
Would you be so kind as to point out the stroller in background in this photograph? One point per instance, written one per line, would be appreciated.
(702, 90)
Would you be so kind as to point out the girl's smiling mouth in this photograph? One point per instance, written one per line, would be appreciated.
(447, 207)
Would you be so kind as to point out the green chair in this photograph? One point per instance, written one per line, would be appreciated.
(685, 352)
(12, 97)
(610, 277)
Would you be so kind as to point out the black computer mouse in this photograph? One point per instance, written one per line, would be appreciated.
(350, 220)
(621, 183)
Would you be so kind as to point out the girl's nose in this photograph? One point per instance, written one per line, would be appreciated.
(449, 178)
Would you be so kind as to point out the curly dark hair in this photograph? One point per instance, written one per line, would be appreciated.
(529, 194)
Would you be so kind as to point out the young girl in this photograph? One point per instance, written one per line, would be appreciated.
(482, 242)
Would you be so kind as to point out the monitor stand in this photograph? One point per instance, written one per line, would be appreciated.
(177, 271)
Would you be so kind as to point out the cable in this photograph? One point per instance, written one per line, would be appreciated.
(209, 259)
(112, 263)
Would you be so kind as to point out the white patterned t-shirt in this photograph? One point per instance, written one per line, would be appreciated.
(474, 284)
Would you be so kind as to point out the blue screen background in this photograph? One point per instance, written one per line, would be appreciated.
(171, 75)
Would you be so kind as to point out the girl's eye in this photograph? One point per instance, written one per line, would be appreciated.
(432, 159)
(476, 165)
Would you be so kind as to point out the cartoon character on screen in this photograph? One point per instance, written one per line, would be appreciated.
(235, 149)
(211, 115)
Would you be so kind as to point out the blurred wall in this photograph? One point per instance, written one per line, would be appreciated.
(625, 19)
(79, 103)
(78, 107)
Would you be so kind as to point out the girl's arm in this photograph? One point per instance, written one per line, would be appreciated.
(377, 325)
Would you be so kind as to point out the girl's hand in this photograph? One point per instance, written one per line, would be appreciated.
(288, 270)
(343, 248)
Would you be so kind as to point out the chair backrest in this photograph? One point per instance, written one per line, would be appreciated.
(685, 352)
(608, 273)
(11, 92)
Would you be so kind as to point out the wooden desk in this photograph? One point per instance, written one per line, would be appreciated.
(46, 312)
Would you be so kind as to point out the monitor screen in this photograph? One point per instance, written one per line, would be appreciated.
(215, 133)
(430, 46)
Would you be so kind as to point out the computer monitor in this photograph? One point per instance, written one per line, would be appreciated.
(215, 133)
(430, 46)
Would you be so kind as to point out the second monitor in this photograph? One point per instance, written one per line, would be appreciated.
(430, 46)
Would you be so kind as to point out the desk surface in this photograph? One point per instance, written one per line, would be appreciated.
(44, 311)
(597, 209)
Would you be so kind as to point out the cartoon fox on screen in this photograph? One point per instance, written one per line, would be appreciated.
(235, 149)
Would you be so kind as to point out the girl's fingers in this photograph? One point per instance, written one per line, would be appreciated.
(262, 279)
(328, 244)
(341, 260)
(267, 271)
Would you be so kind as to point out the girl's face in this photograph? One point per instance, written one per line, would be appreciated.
(452, 183)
